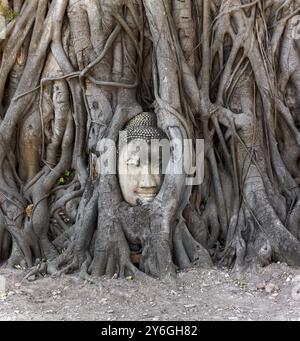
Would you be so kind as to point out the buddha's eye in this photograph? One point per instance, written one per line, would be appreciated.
(134, 162)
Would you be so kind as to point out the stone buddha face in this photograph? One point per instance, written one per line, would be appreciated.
(140, 166)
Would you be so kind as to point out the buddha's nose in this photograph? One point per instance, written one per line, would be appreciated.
(148, 181)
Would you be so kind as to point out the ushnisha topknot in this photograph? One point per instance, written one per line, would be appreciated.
(142, 127)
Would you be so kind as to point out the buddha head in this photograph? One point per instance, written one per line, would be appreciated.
(140, 161)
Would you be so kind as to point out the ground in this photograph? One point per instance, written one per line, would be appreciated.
(199, 294)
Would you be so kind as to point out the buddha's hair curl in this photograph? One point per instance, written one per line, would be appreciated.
(142, 127)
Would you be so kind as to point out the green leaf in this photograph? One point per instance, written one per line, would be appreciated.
(7, 12)
(10, 14)
(61, 181)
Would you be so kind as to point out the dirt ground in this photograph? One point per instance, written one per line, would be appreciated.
(198, 294)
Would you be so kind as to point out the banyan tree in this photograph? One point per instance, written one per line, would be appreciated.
(75, 73)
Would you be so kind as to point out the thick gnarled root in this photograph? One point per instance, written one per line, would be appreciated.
(188, 252)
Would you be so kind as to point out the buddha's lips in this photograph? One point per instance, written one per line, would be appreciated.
(147, 193)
